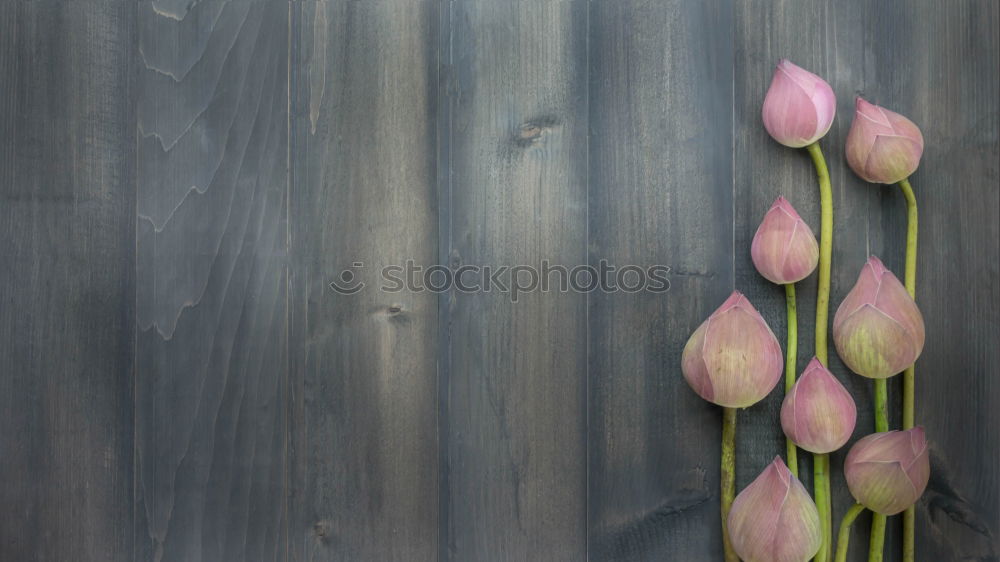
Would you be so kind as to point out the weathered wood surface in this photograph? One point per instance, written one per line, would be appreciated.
(181, 182)
(211, 362)
(661, 137)
(364, 419)
(67, 280)
(515, 431)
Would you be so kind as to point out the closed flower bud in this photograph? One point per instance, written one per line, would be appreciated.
(733, 358)
(799, 106)
(882, 146)
(878, 329)
(888, 472)
(784, 249)
(774, 519)
(818, 414)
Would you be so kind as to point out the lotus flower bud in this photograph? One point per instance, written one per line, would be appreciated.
(784, 249)
(878, 329)
(888, 472)
(818, 414)
(799, 106)
(882, 146)
(774, 519)
(733, 358)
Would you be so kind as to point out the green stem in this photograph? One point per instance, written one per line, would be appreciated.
(825, 250)
(821, 472)
(844, 538)
(909, 516)
(821, 491)
(881, 405)
(875, 547)
(728, 477)
(791, 356)
(878, 538)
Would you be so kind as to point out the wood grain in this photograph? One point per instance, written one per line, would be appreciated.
(515, 426)
(67, 280)
(364, 415)
(660, 193)
(211, 374)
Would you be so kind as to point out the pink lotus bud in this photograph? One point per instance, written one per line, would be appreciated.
(774, 519)
(818, 414)
(882, 146)
(784, 249)
(878, 329)
(733, 358)
(887, 472)
(799, 106)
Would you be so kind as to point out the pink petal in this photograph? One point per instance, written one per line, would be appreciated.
(874, 345)
(819, 414)
(742, 357)
(894, 300)
(693, 366)
(800, 533)
(863, 293)
(788, 113)
(892, 158)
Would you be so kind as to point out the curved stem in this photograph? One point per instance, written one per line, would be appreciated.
(911, 238)
(821, 472)
(821, 491)
(844, 538)
(825, 250)
(728, 477)
(791, 357)
(909, 516)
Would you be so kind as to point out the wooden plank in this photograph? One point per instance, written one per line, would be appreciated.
(67, 279)
(364, 414)
(937, 64)
(211, 290)
(515, 419)
(660, 193)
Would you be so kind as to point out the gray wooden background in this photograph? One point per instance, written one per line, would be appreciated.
(181, 179)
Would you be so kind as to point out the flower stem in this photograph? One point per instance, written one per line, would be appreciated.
(825, 250)
(881, 405)
(791, 356)
(909, 516)
(844, 538)
(821, 491)
(728, 477)
(878, 538)
(875, 547)
(821, 464)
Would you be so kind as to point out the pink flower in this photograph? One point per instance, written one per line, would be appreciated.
(733, 358)
(888, 472)
(799, 106)
(784, 249)
(882, 146)
(774, 519)
(878, 329)
(818, 414)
